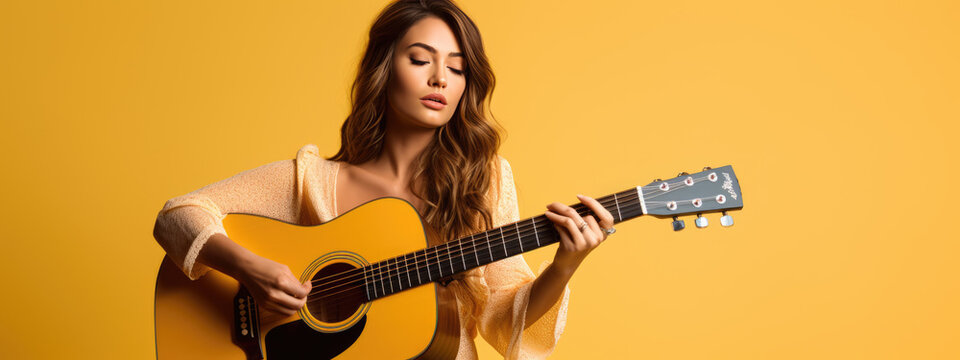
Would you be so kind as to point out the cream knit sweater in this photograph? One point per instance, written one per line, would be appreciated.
(492, 299)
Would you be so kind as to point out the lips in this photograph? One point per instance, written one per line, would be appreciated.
(436, 97)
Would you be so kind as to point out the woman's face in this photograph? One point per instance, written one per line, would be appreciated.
(427, 61)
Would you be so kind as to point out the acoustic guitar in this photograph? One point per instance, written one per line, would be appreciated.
(369, 267)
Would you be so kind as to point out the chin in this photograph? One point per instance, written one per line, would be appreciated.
(432, 122)
(423, 118)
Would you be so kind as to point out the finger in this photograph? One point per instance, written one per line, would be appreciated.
(558, 224)
(605, 218)
(572, 229)
(294, 288)
(594, 228)
(567, 211)
(286, 301)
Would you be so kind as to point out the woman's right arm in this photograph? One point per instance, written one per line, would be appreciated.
(189, 228)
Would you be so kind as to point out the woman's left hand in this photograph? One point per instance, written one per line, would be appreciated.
(578, 235)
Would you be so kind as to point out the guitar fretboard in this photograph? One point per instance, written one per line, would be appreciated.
(407, 271)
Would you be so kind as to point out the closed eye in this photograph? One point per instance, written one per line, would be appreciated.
(418, 62)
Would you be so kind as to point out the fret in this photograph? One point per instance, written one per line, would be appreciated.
(403, 270)
(383, 289)
(535, 233)
(439, 259)
(416, 265)
(618, 206)
(406, 267)
(519, 238)
(475, 252)
(450, 259)
(399, 279)
(439, 262)
(476, 243)
(396, 266)
(366, 283)
(462, 257)
(399, 274)
(400, 271)
(389, 276)
(503, 241)
(426, 258)
(373, 278)
(386, 277)
(489, 245)
(426, 264)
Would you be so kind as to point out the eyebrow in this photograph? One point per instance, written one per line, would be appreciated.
(432, 50)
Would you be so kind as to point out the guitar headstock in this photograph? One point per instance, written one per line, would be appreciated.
(711, 190)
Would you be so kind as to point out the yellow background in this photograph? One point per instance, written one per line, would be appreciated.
(840, 119)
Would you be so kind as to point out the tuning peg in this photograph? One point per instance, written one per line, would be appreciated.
(726, 220)
(705, 168)
(683, 173)
(678, 224)
(701, 221)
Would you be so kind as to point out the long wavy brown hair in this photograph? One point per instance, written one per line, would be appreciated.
(455, 173)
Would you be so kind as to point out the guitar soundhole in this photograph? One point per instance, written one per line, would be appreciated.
(338, 293)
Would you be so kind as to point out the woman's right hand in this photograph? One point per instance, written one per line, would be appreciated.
(273, 285)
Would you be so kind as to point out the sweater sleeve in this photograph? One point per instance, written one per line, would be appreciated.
(185, 222)
(502, 320)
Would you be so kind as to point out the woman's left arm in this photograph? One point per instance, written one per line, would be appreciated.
(522, 314)
(578, 237)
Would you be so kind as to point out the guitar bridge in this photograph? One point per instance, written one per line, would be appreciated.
(246, 324)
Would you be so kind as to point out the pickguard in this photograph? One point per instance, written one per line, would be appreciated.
(296, 340)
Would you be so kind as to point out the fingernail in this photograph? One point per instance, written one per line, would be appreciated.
(579, 195)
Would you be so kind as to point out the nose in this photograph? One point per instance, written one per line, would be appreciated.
(438, 79)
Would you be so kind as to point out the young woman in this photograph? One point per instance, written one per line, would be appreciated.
(417, 131)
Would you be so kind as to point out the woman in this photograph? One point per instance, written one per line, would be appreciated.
(417, 131)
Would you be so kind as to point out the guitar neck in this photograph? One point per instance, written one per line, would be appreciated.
(434, 263)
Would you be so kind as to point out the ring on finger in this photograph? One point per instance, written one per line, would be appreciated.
(583, 225)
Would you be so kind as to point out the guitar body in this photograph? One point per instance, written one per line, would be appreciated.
(210, 318)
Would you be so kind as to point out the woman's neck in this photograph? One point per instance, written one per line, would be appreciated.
(401, 146)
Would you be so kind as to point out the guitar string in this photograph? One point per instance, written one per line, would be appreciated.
(672, 187)
(631, 196)
(476, 240)
(508, 242)
(377, 268)
(336, 298)
(514, 245)
(398, 277)
(454, 249)
(343, 299)
(389, 271)
(389, 277)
